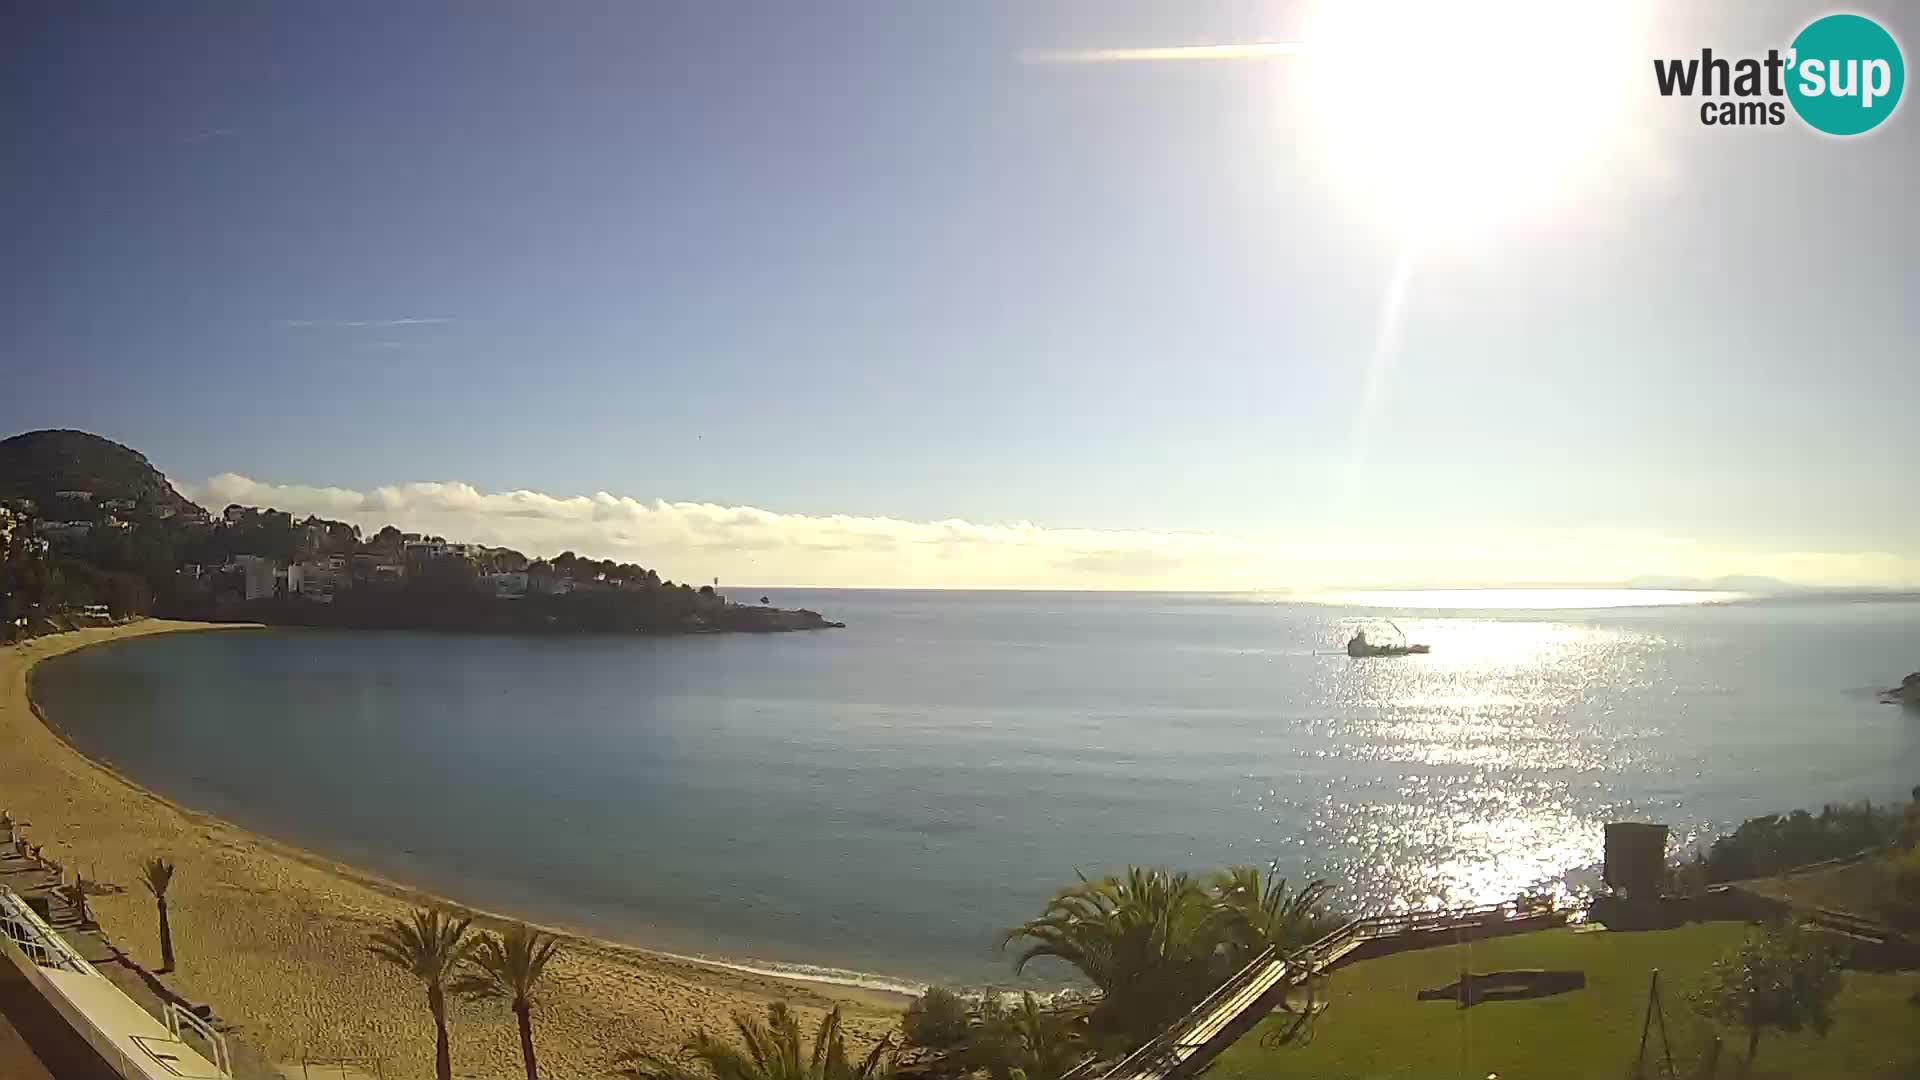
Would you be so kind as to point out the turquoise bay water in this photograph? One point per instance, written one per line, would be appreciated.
(884, 798)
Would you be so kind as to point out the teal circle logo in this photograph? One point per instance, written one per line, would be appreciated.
(1846, 74)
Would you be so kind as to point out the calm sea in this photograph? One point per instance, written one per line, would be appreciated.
(883, 798)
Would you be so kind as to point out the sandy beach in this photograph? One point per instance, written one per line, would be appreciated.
(274, 938)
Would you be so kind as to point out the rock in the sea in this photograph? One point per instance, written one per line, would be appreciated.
(1908, 692)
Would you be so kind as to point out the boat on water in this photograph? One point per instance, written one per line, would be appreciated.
(1359, 646)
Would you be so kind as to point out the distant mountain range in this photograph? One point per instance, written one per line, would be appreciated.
(1736, 583)
(38, 465)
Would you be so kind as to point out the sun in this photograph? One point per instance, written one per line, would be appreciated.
(1452, 117)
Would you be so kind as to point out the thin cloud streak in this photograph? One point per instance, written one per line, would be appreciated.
(362, 324)
(698, 541)
(1259, 50)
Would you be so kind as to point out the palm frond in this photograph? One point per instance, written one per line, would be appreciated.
(429, 946)
(507, 965)
(156, 874)
(642, 1065)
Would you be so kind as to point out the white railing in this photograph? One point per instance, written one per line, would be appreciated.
(98, 1012)
(181, 1020)
(34, 937)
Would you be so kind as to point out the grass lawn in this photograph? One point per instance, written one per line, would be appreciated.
(1375, 1027)
(1859, 887)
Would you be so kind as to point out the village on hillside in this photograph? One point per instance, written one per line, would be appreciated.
(86, 558)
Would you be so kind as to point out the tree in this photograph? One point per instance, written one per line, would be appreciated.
(430, 947)
(1260, 915)
(509, 966)
(1027, 1041)
(1784, 979)
(157, 874)
(1049, 1043)
(1148, 940)
(936, 1019)
(773, 1051)
(1901, 902)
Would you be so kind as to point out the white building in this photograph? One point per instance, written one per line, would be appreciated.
(317, 579)
(260, 576)
(65, 530)
(427, 549)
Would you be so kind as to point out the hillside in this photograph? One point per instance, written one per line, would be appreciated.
(37, 464)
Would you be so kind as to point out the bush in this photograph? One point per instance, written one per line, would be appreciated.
(1772, 843)
(937, 1019)
(1689, 877)
(1784, 979)
(1901, 906)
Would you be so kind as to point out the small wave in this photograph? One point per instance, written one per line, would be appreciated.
(867, 980)
(814, 973)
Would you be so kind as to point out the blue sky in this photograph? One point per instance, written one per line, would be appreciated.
(869, 260)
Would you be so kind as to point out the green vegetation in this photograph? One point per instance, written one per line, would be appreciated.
(430, 947)
(769, 1050)
(1262, 914)
(1153, 942)
(1148, 940)
(1783, 979)
(1775, 842)
(88, 523)
(937, 1019)
(1027, 1042)
(1902, 903)
(38, 465)
(157, 874)
(509, 966)
(1883, 885)
(1375, 1027)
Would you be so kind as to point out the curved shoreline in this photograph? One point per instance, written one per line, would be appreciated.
(280, 951)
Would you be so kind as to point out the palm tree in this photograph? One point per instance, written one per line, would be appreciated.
(156, 874)
(773, 1051)
(1259, 915)
(1149, 940)
(430, 947)
(1024, 1041)
(509, 966)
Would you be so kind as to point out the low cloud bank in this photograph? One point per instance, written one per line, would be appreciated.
(697, 541)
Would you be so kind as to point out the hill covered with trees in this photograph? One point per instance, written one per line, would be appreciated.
(89, 529)
(39, 465)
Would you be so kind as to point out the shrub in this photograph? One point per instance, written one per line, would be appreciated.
(1784, 979)
(1772, 843)
(937, 1019)
(1901, 906)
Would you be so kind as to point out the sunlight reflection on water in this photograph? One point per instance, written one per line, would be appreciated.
(1470, 781)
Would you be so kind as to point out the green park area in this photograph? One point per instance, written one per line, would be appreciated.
(1375, 1026)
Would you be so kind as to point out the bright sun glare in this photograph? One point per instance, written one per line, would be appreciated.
(1449, 118)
